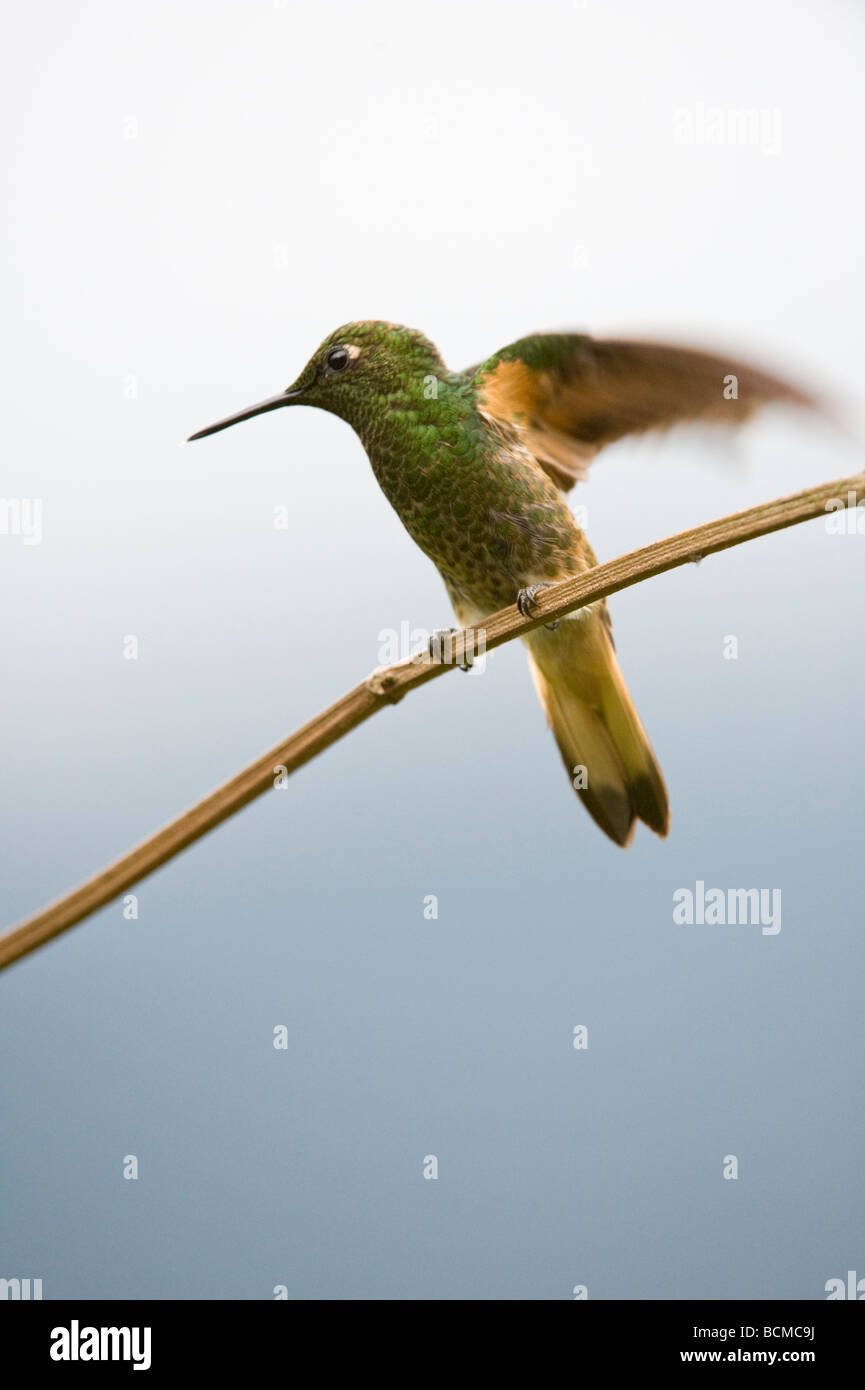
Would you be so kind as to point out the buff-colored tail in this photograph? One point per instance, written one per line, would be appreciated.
(600, 737)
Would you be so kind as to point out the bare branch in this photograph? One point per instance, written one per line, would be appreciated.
(390, 684)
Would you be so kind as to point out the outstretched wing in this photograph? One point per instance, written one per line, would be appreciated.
(569, 394)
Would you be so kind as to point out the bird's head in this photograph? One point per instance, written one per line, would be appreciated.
(359, 371)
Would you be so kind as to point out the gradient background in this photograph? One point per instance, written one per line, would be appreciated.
(195, 194)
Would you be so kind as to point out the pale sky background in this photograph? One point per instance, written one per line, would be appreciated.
(194, 196)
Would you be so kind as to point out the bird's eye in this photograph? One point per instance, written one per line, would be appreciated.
(338, 359)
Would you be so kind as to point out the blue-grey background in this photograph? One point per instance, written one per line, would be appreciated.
(195, 194)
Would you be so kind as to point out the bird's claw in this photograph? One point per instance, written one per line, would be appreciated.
(436, 646)
(527, 602)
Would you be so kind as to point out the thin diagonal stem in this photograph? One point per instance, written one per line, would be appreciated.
(390, 684)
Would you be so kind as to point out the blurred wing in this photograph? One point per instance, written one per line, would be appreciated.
(569, 395)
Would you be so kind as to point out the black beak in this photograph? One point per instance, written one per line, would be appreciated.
(274, 403)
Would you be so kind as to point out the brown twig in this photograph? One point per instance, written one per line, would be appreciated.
(390, 684)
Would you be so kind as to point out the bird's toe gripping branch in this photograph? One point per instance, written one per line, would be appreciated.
(527, 602)
(441, 647)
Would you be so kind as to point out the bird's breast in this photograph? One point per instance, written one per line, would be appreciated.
(488, 517)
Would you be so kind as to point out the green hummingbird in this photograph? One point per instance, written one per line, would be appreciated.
(477, 465)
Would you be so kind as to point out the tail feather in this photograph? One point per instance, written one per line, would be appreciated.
(597, 728)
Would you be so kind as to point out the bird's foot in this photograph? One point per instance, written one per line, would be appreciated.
(441, 647)
(527, 602)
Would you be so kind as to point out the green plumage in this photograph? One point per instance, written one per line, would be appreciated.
(467, 491)
(476, 465)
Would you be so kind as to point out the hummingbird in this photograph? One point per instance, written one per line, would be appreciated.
(478, 464)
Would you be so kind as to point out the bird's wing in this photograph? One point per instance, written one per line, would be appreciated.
(569, 394)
